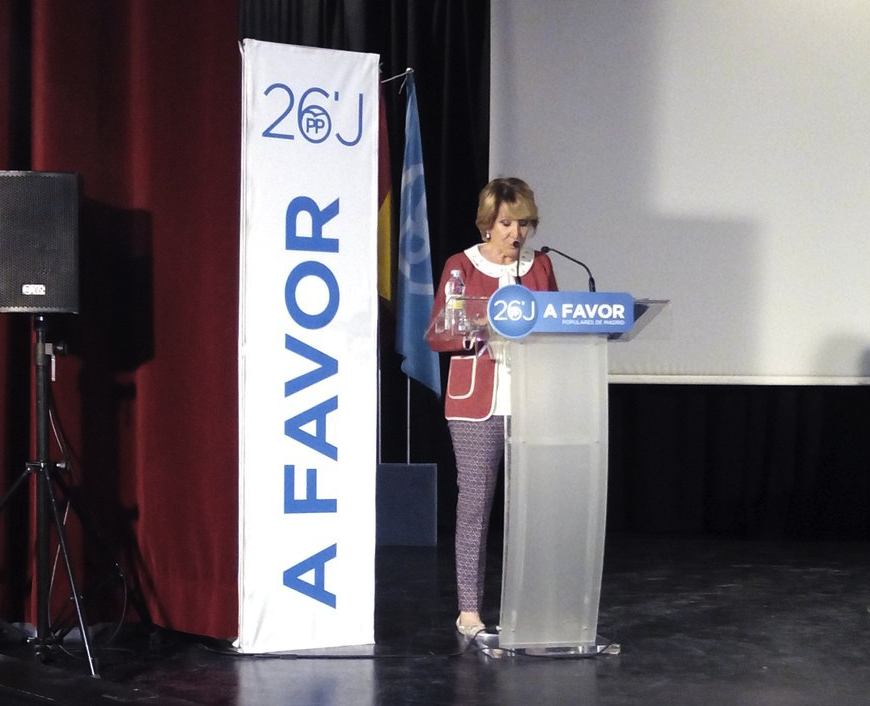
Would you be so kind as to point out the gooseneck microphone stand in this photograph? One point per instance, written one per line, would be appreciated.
(46, 504)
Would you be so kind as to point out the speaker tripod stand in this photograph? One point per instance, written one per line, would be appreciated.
(44, 469)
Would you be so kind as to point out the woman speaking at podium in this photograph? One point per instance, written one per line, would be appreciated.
(477, 400)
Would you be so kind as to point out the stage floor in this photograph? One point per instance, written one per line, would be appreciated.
(699, 621)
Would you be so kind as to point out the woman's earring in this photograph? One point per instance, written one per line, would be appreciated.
(487, 236)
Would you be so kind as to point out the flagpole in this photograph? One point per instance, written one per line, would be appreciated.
(404, 74)
(407, 420)
(380, 451)
(416, 295)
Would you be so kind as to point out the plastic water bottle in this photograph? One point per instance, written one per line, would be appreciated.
(454, 307)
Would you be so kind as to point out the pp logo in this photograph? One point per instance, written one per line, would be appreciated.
(512, 311)
(315, 123)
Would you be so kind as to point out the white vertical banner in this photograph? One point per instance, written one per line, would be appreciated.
(307, 348)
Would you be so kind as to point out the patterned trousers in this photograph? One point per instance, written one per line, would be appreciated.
(479, 448)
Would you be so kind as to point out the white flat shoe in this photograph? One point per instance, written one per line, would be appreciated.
(469, 630)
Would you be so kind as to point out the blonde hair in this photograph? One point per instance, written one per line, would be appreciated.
(513, 192)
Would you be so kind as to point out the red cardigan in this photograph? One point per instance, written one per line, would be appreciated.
(470, 391)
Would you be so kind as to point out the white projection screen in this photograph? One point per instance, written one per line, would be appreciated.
(716, 154)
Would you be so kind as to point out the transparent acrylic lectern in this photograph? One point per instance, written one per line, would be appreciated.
(555, 476)
(556, 491)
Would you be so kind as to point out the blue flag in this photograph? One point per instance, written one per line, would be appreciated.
(415, 290)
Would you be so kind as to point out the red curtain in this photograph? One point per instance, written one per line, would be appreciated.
(142, 99)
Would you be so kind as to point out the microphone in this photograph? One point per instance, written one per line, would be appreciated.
(547, 249)
(516, 244)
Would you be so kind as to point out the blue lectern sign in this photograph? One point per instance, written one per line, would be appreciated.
(515, 311)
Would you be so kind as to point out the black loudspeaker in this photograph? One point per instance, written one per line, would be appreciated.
(39, 239)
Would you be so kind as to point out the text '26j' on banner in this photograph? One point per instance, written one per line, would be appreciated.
(307, 348)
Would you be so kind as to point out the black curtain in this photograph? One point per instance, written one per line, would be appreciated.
(741, 460)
